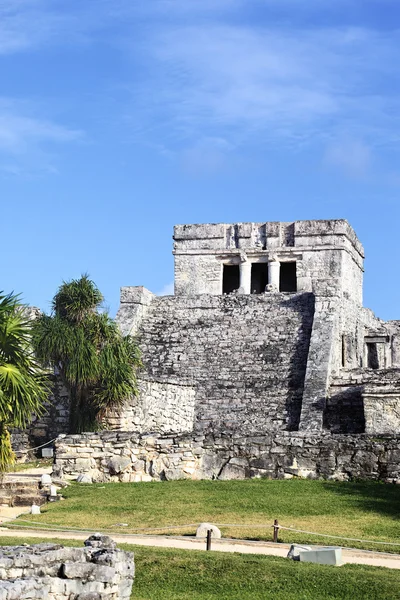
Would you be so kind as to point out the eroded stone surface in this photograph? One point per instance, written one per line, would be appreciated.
(275, 455)
(99, 571)
(204, 528)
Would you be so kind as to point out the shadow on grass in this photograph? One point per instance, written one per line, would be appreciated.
(382, 498)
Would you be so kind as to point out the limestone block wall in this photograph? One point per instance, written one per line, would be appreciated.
(20, 444)
(53, 422)
(124, 456)
(97, 571)
(344, 410)
(321, 249)
(161, 406)
(364, 400)
(382, 412)
(134, 303)
(55, 419)
(239, 360)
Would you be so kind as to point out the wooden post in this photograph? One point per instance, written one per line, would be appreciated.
(276, 531)
(208, 541)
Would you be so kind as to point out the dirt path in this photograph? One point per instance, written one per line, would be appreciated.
(32, 474)
(374, 559)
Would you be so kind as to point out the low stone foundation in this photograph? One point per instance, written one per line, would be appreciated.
(99, 571)
(122, 456)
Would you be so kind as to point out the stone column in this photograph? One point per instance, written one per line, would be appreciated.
(274, 268)
(395, 351)
(245, 277)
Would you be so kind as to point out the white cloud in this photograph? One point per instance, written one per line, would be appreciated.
(27, 140)
(235, 82)
(24, 23)
(204, 74)
(18, 132)
(353, 157)
(206, 157)
(167, 290)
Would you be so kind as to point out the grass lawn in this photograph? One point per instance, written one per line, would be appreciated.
(177, 574)
(366, 510)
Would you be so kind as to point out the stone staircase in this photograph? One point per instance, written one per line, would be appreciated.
(244, 355)
(21, 493)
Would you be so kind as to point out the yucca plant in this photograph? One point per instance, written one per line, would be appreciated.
(84, 346)
(23, 383)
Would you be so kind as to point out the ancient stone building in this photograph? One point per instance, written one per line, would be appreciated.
(266, 332)
(264, 363)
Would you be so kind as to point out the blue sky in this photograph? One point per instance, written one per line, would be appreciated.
(120, 118)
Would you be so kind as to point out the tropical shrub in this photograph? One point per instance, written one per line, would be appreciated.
(84, 346)
(23, 383)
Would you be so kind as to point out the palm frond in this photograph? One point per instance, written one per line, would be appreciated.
(76, 298)
(23, 383)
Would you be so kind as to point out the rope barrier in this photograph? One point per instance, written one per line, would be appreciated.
(42, 446)
(73, 529)
(338, 537)
(54, 526)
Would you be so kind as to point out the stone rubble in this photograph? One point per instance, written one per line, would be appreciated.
(99, 571)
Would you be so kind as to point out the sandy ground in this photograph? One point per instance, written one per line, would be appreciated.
(375, 559)
(33, 474)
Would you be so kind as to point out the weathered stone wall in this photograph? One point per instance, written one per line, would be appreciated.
(238, 361)
(161, 406)
(20, 444)
(53, 422)
(266, 362)
(364, 401)
(344, 409)
(99, 571)
(55, 419)
(124, 456)
(320, 358)
(318, 247)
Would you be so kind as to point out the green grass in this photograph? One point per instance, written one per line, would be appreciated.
(191, 575)
(365, 510)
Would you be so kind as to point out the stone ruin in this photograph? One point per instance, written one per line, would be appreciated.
(99, 571)
(264, 355)
(266, 331)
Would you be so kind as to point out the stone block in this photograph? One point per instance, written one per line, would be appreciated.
(83, 478)
(47, 452)
(232, 471)
(45, 480)
(136, 295)
(295, 550)
(174, 474)
(203, 528)
(118, 464)
(322, 556)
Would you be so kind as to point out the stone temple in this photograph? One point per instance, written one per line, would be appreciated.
(266, 331)
(264, 362)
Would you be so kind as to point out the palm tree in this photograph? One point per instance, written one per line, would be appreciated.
(84, 346)
(23, 383)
